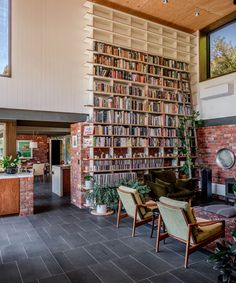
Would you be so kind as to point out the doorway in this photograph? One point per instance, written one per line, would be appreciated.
(56, 146)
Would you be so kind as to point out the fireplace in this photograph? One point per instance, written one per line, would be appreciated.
(229, 187)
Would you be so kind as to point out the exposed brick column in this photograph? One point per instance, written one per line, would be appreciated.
(210, 140)
(26, 196)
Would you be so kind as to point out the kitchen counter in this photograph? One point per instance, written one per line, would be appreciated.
(16, 194)
(14, 176)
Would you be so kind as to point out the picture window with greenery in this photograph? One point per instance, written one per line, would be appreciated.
(222, 50)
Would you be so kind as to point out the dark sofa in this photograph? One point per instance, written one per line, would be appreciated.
(165, 183)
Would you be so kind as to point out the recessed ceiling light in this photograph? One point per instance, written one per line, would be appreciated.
(197, 12)
(234, 1)
(165, 1)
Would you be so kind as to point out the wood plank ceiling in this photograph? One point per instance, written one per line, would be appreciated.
(177, 13)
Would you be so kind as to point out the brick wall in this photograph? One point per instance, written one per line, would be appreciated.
(42, 152)
(210, 140)
(26, 196)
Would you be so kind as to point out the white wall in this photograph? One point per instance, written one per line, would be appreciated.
(47, 57)
(214, 101)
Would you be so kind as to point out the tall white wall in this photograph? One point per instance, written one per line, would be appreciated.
(217, 97)
(47, 57)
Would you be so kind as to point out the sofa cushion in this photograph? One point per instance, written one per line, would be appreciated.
(157, 189)
(181, 193)
(184, 184)
(221, 209)
(169, 186)
(165, 175)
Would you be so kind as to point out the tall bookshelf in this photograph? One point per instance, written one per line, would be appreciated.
(139, 87)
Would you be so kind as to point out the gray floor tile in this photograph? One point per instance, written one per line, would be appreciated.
(189, 275)
(109, 272)
(171, 257)
(19, 237)
(100, 252)
(119, 248)
(57, 244)
(152, 262)
(25, 226)
(205, 269)
(13, 253)
(84, 275)
(71, 228)
(137, 244)
(55, 231)
(92, 236)
(79, 257)
(62, 278)
(52, 265)
(9, 273)
(63, 261)
(75, 240)
(36, 248)
(165, 278)
(6, 228)
(4, 241)
(87, 225)
(32, 269)
(133, 268)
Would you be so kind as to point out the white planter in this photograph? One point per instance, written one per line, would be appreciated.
(87, 202)
(88, 185)
(101, 209)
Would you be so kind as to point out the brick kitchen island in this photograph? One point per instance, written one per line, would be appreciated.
(16, 194)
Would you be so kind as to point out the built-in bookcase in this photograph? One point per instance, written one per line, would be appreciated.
(139, 84)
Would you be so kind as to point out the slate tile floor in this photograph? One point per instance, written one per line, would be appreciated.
(61, 243)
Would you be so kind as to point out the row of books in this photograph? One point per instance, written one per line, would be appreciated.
(163, 142)
(110, 165)
(135, 55)
(129, 65)
(102, 86)
(126, 131)
(114, 179)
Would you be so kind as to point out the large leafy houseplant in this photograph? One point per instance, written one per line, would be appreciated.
(101, 195)
(185, 133)
(224, 260)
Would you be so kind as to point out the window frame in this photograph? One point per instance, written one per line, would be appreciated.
(208, 63)
(9, 41)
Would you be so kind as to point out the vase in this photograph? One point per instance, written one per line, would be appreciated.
(11, 170)
(102, 209)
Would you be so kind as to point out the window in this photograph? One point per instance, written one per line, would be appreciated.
(4, 37)
(222, 50)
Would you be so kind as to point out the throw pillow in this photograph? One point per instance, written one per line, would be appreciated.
(184, 184)
(157, 189)
(165, 175)
(169, 186)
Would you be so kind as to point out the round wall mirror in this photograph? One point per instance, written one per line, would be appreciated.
(225, 158)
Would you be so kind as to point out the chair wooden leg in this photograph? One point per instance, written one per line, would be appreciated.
(158, 234)
(134, 222)
(187, 247)
(153, 223)
(118, 213)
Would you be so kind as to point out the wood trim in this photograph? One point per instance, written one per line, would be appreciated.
(11, 138)
(141, 15)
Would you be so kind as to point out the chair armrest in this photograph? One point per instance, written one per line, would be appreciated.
(206, 223)
(147, 205)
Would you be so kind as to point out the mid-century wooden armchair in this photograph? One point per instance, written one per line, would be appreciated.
(181, 224)
(135, 208)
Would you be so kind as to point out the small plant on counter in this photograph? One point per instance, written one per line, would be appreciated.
(9, 164)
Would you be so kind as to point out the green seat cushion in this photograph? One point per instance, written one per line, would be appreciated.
(164, 175)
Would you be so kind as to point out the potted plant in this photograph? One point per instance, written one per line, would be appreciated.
(224, 260)
(9, 164)
(88, 182)
(102, 198)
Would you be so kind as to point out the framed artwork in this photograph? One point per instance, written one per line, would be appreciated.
(88, 130)
(74, 141)
(23, 147)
